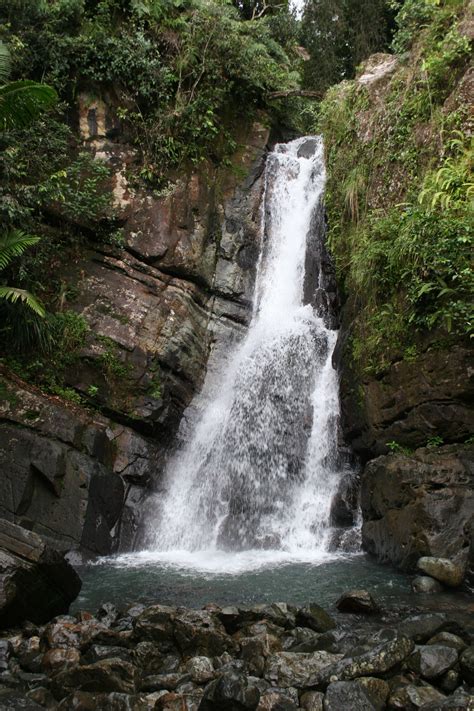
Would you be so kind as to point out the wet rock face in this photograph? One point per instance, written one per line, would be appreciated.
(185, 271)
(75, 477)
(421, 505)
(179, 279)
(407, 403)
(35, 581)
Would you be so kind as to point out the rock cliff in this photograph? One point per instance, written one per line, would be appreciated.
(154, 305)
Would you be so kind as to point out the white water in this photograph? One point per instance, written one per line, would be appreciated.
(254, 484)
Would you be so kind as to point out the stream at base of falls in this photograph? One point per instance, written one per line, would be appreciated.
(138, 578)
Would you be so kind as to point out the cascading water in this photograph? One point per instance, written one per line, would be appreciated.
(261, 467)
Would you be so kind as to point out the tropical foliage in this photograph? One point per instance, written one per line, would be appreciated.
(400, 192)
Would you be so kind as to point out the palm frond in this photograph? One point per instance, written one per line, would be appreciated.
(9, 293)
(23, 101)
(13, 244)
(5, 62)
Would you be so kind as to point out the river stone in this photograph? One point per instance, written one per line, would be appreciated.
(467, 665)
(199, 633)
(379, 660)
(87, 701)
(173, 701)
(62, 658)
(296, 669)
(460, 701)
(431, 661)
(425, 584)
(358, 601)
(272, 700)
(409, 697)
(36, 582)
(42, 696)
(443, 569)
(230, 692)
(156, 682)
(421, 627)
(447, 639)
(14, 700)
(155, 623)
(449, 681)
(346, 695)
(312, 701)
(150, 660)
(200, 669)
(377, 690)
(99, 651)
(314, 617)
(104, 676)
(5, 651)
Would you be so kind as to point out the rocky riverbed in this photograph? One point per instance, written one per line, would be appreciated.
(264, 657)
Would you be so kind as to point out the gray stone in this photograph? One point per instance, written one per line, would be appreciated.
(155, 623)
(297, 669)
(314, 617)
(425, 584)
(115, 701)
(431, 661)
(377, 690)
(381, 659)
(421, 627)
(13, 700)
(312, 701)
(199, 633)
(444, 570)
(273, 700)
(346, 695)
(200, 669)
(447, 639)
(409, 697)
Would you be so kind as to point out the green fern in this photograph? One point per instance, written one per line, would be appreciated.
(13, 244)
(23, 101)
(9, 293)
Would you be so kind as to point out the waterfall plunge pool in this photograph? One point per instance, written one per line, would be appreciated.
(243, 579)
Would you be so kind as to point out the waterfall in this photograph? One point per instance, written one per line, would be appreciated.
(261, 467)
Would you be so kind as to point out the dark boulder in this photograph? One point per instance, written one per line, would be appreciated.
(105, 676)
(347, 695)
(467, 665)
(357, 601)
(36, 582)
(314, 617)
(231, 692)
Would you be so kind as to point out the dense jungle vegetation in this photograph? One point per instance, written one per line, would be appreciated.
(183, 74)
